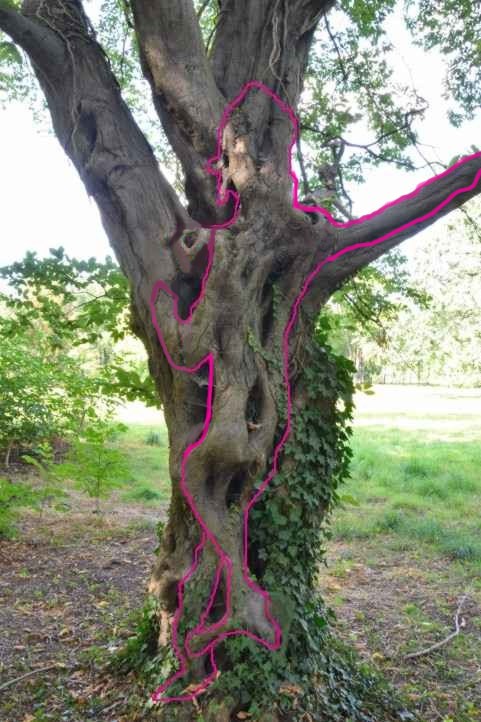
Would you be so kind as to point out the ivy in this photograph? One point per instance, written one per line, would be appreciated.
(312, 674)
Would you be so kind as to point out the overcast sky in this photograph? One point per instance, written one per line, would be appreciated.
(44, 205)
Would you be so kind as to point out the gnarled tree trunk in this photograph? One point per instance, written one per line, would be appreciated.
(219, 310)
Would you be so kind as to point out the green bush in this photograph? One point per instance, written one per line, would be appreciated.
(93, 465)
(43, 395)
(13, 496)
(153, 438)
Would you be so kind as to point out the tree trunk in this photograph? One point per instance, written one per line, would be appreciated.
(219, 457)
(226, 296)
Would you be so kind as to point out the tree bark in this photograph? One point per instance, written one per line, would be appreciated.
(217, 290)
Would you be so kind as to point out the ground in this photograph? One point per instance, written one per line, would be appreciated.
(406, 551)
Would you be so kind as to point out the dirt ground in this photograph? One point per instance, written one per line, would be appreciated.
(391, 604)
(68, 588)
(67, 593)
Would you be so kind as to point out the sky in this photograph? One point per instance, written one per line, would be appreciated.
(44, 204)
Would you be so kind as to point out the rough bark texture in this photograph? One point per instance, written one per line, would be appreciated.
(266, 254)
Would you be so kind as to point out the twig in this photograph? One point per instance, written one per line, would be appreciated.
(332, 37)
(305, 183)
(459, 623)
(28, 674)
(112, 706)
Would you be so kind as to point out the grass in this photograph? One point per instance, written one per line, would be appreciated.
(415, 475)
(398, 566)
(415, 472)
(402, 559)
(147, 449)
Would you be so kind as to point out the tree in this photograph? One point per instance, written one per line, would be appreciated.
(78, 308)
(440, 342)
(45, 397)
(246, 332)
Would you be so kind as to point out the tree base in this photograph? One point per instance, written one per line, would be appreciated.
(261, 686)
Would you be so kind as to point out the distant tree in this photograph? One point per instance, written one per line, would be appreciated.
(94, 466)
(439, 342)
(44, 397)
(80, 308)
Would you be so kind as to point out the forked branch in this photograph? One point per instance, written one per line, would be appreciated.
(185, 94)
(97, 131)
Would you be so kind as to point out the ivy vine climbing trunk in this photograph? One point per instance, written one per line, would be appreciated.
(214, 289)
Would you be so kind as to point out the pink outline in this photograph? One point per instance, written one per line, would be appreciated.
(225, 561)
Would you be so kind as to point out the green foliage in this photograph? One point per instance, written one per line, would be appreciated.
(141, 647)
(77, 305)
(153, 438)
(354, 114)
(431, 341)
(76, 302)
(9, 53)
(141, 651)
(368, 305)
(15, 78)
(49, 487)
(43, 395)
(453, 26)
(95, 467)
(13, 496)
(287, 541)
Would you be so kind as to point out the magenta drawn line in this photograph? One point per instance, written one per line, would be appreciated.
(225, 564)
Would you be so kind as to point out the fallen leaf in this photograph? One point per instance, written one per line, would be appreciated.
(291, 689)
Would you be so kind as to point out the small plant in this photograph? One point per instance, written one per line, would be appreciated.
(153, 438)
(13, 496)
(50, 487)
(144, 494)
(94, 466)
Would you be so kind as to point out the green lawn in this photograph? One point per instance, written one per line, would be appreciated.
(415, 474)
(401, 559)
(147, 448)
(416, 471)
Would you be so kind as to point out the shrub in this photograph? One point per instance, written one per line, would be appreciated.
(95, 467)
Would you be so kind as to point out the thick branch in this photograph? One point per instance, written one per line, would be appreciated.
(139, 209)
(377, 233)
(37, 40)
(185, 93)
(267, 41)
(97, 131)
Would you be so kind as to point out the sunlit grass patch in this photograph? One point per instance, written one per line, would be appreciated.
(147, 449)
(424, 490)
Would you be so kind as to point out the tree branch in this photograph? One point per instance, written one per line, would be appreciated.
(139, 209)
(37, 40)
(251, 34)
(369, 237)
(266, 41)
(459, 624)
(185, 93)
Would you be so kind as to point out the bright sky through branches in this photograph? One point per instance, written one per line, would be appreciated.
(44, 204)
